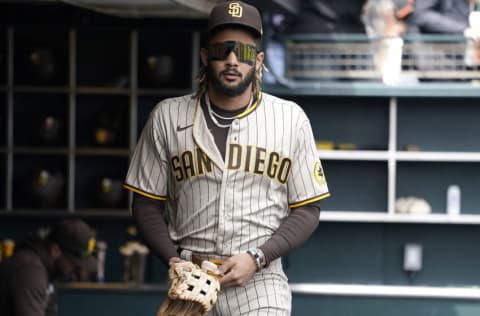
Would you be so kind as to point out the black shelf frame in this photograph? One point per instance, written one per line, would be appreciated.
(72, 151)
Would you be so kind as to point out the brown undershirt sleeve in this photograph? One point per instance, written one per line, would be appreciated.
(294, 231)
(148, 214)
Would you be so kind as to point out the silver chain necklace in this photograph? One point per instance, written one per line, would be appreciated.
(214, 115)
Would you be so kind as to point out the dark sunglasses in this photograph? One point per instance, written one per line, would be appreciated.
(245, 53)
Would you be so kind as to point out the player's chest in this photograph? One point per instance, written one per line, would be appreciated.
(252, 146)
(243, 140)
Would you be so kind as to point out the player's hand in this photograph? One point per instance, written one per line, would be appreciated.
(237, 270)
(173, 260)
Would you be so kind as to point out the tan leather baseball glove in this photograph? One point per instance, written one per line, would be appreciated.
(193, 291)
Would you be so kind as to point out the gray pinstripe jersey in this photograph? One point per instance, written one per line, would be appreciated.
(227, 206)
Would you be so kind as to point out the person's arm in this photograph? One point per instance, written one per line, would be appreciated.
(30, 296)
(148, 214)
(428, 18)
(293, 232)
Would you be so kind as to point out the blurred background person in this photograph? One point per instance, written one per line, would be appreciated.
(385, 25)
(386, 18)
(448, 17)
(440, 16)
(327, 16)
(27, 278)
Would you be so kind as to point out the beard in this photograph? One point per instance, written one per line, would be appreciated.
(63, 272)
(229, 91)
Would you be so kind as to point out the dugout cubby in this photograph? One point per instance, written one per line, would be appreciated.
(363, 122)
(356, 186)
(430, 180)
(41, 56)
(41, 120)
(102, 122)
(439, 124)
(166, 62)
(98, 183)
(103, 57)
(40, 181)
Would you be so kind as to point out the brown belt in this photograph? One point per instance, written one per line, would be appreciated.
(198, 260)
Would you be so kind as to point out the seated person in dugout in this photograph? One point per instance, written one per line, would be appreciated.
(27, 278)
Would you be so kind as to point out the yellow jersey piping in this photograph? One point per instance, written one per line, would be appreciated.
(155, 197)
(309, 201)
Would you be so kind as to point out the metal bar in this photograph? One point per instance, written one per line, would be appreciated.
(392, 148)
(195, 58)
(72, 106)
(9, 121)
(133, 88)
(133, 96)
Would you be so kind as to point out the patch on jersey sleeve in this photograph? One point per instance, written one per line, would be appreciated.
(318, 173)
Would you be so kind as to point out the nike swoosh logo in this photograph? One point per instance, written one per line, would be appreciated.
(182, 128)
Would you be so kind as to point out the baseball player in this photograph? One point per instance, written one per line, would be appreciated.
(229, 174)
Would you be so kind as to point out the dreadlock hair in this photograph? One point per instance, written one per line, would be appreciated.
(202, 79)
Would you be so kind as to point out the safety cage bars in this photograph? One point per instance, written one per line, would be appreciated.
(320, 57)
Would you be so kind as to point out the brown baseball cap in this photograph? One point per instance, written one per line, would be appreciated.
(236, 13)
(76, 240)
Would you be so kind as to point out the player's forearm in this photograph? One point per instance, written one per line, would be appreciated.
(147, 213)
(294, 231)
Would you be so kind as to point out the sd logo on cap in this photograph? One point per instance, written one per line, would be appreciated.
(235, 10)
(236, 13)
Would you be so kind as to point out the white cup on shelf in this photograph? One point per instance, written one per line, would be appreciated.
(453, 200)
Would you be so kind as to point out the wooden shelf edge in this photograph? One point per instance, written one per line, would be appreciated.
(392, 291)
(432, 156)
(375, 155)
(401, 156)
(384, 217)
